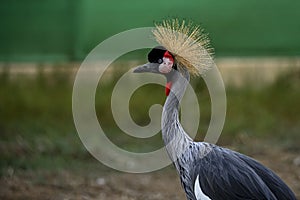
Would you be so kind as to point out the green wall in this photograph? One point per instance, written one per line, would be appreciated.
(51, 30)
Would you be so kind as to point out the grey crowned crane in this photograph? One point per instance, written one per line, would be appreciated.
(206, 171)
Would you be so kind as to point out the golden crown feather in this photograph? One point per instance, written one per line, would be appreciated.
(187, 42)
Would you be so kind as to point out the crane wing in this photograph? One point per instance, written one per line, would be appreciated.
(228, 175)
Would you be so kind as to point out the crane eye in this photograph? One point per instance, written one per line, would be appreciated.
(159, 61)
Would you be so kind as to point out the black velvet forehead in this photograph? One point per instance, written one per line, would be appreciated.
(156, 53)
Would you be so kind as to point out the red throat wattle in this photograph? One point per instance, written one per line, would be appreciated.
(168, 88)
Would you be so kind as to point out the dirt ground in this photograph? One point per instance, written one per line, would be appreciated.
(111, 185)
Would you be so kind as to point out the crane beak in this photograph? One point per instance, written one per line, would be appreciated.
(148, 67)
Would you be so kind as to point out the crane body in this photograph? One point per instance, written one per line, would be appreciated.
(206, 171)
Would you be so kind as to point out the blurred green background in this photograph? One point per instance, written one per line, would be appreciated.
(42, 43)
(68, 30)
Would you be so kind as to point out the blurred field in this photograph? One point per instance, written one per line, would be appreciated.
(42, 44)
(41, 156)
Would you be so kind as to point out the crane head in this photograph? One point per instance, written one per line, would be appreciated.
(161, 61)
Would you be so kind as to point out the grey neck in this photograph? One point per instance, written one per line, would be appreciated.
(175, 138)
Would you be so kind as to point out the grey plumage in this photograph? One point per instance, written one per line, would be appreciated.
(223, 174)
(220, 174)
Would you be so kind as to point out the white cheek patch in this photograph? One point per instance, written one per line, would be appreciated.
(166, 65)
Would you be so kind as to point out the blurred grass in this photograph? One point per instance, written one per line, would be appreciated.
(37, 129)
